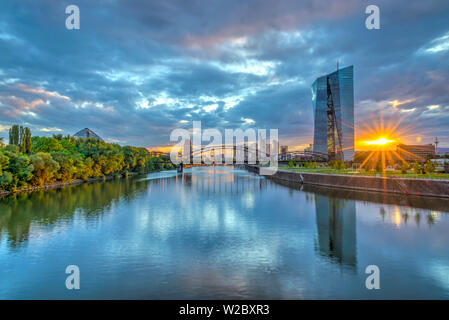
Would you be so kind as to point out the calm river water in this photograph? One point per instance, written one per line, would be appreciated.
(215, 233)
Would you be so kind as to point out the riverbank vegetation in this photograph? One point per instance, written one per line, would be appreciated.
(36, 161)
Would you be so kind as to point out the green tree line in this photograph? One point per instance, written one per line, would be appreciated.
(35, 161)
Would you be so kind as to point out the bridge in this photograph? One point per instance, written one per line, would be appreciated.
(230, 154)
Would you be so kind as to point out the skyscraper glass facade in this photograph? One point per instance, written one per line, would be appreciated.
(333, 109)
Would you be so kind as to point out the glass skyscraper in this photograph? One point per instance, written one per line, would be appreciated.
(333, 109)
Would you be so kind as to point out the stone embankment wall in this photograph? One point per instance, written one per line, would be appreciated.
(420, 187)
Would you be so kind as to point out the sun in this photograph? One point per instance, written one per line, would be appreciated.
(379, 142)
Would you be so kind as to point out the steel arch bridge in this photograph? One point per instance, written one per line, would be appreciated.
(250, 153)
(247, 154)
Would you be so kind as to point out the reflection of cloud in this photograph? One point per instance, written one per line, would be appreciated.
(439, 271)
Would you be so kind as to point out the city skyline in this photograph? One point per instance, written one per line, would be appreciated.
(186, 64)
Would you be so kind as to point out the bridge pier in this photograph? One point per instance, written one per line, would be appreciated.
(180, 167)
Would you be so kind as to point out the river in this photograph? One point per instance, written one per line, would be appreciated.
(219, 232)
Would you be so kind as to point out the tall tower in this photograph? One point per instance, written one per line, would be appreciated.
(333, 109)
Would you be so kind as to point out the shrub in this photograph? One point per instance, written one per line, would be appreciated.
(430, 167)
(404, 168)
(417, 168)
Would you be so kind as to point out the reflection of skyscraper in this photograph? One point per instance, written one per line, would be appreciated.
(333, 108)
(336, 224)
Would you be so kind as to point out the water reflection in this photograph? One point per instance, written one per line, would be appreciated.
(221, 233)
(46, 208)
(336, 225)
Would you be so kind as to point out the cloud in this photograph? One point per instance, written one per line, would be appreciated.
(138, 69)
(50, 130)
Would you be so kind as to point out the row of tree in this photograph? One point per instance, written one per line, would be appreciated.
(67, 158)
(20, 136)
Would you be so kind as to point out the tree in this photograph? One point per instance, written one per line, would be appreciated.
(1, 142)
(430, 167)
(44, 144)
(6, 179)
(44, 168)
(404, 168)
(379, 167)
(417, 167)
(13, 148)
(22, 139)
(4, 162)
(67, 170)
(27, 141)
(14, 135)
(21, 167)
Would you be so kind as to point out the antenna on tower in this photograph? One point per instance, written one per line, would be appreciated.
(436, 144)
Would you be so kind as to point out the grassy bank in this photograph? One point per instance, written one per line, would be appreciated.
(388, 173)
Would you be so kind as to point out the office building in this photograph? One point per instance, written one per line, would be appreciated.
(333, 109)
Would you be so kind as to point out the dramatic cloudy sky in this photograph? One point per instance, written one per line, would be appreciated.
(138, 69)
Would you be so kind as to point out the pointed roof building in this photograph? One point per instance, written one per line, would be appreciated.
(87, 133)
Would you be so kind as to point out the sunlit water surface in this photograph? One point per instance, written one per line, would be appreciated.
(215, 233)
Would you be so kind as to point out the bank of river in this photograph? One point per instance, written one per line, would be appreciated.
(223, 233)
(407, 186)
(58, 184)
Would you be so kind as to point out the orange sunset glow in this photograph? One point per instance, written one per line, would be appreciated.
(381, 138)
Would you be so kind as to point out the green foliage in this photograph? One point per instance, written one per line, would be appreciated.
(45, 168)
(290, 164)
(20, 166)
(44, 144)
(417, 168)
(42, 160)
(404, 168)
(6, 181)
(67, 170)
(27, 141)
(14, 135)
(4, 161)
(13, 148)
(337, 164)
(21, 137)
(430, 167)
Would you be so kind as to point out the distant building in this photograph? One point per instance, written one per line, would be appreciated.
(415, 152)
(333, 110)
(283, 153)
(187, 151)
(156, 153)
(309, 148)
(87, 133)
